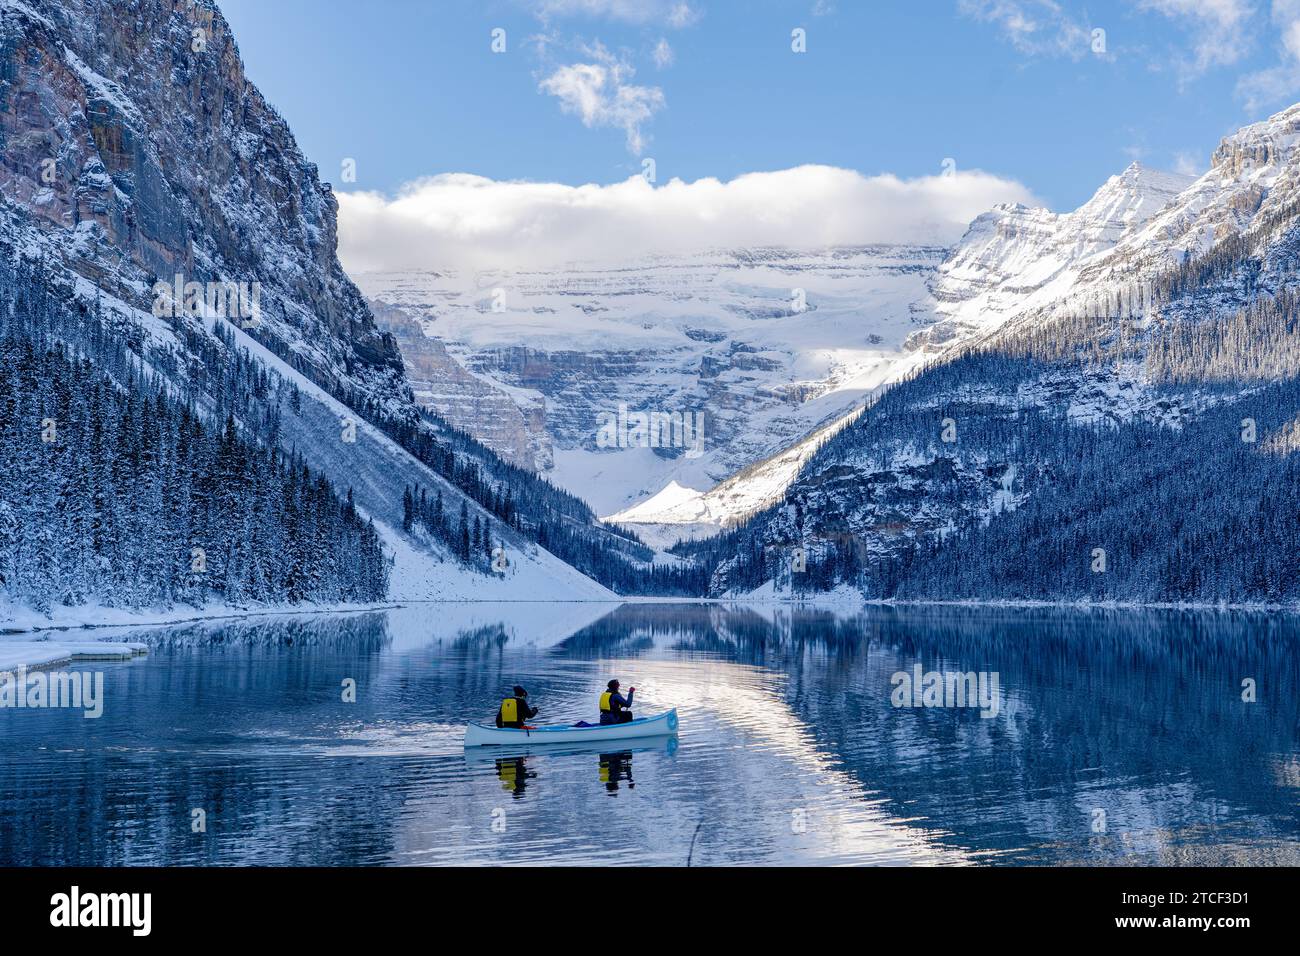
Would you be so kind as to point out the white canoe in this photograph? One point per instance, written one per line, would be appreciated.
(476, 735)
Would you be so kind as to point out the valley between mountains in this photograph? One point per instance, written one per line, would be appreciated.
(1092, 406)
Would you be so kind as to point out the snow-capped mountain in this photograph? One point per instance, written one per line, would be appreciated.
(1014, 259)
(1249, 196)
(766, 346)
(136, 157)
(137, 137)
(1240, 211)
(723, 334)
(1124, 431)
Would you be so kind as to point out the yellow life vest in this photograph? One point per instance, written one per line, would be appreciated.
(604, 702)
(509, 711)
(508, 774)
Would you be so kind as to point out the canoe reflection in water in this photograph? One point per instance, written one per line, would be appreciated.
(514, 774)
(615, 767)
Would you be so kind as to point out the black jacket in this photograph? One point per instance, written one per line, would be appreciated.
(525, 713)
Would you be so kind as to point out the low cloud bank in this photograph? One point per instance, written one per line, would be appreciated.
(460, 221)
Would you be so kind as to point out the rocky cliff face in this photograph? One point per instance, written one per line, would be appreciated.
(134, 150)
(515, 431)
(1251, 191)
(130, 137)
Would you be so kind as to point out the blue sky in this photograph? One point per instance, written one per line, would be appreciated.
(411, 88)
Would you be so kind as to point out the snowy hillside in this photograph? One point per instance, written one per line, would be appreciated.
(120, 177)
(678, 513)
(1129, 440)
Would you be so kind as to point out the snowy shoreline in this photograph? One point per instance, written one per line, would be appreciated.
(39, 650)
(26, 621)
(18, 621)
(34, 655)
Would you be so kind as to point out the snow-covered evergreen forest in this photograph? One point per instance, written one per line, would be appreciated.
(116, 491)
(553, 518)
(1182, 491)
(123, 488)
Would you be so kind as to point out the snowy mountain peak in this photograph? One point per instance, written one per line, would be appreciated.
(1133, 196)
(1014, 258)
(1251, 189)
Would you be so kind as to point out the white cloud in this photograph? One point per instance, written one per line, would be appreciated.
(1219, 30)
(663, 54)
(600, 94)
(468, 222)
(1037, 27)
(1280, 82)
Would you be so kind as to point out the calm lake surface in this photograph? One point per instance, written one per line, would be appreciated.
(1118, 737)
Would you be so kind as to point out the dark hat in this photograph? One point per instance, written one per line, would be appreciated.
(612, 684)
(520, 692)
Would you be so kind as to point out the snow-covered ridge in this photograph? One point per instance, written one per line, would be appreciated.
(1014, 259)
(1251, 191)
(1254, 173)
(157, 159)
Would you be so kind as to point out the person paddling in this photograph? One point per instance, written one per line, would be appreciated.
(515, 710)
(614, 707)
